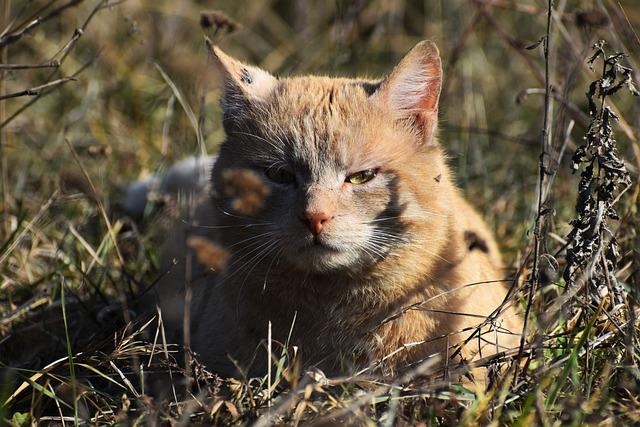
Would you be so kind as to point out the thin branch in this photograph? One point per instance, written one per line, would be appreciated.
(63, 53)
(49, 64)
(544, 144)
(37, 90)
(11, 27)
(14, 37)
(41, 94)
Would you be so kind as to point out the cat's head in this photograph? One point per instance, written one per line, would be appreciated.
(329, 174)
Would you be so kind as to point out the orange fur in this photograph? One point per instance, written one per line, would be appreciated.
(350, 311)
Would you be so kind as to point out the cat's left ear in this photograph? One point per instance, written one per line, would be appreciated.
(242, 82)
(412, 90)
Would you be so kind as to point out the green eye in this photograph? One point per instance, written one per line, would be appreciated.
(361, 177)
(280, 175)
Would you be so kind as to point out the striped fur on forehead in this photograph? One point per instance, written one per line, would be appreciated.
(323, 121)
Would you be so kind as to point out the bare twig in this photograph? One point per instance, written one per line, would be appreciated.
(50, 64)
(37, 90)
(13, 37)
(11, 27)
(544, 146)
(63, 53)
(45, 92)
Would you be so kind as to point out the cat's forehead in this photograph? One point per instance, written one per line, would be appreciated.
(322, 117)
(322, 97)
(327, 124)
(327, 107)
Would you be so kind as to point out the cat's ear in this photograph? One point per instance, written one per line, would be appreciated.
(412, 90)
(241, 82)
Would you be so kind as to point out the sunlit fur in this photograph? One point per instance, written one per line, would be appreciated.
(394, 241)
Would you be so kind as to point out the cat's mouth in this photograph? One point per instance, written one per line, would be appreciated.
(321, 254)
(319, 244)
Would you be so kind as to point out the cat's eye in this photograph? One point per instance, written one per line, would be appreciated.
(280, 175)
(361, 177)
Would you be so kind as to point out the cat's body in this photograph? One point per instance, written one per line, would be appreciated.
(334, 218)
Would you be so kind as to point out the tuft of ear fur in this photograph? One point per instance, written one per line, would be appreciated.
(242, 83)
(412, 90)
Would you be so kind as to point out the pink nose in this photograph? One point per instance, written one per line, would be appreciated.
(315, 220)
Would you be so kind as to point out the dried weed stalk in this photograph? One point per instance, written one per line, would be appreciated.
(592, 252)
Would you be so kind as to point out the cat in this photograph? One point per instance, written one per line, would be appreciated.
(332, 222)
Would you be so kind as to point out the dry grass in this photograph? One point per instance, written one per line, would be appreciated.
(88, 110)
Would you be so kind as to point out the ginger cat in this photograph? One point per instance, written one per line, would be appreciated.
(331, 203)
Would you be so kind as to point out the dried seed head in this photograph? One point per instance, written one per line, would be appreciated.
(217, 20)
(99, 150)
(594, 18)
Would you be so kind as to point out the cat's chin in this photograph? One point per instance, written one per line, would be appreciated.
(324, 258)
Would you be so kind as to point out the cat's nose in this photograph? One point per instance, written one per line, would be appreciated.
(315, 220)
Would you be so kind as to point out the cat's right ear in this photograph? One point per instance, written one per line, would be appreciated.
(412, 90)
(242, 83)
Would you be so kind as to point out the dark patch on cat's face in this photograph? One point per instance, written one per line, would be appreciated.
(245, 77)
(388, 221)
(475, 242)
(331, 95)
(370, 88)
